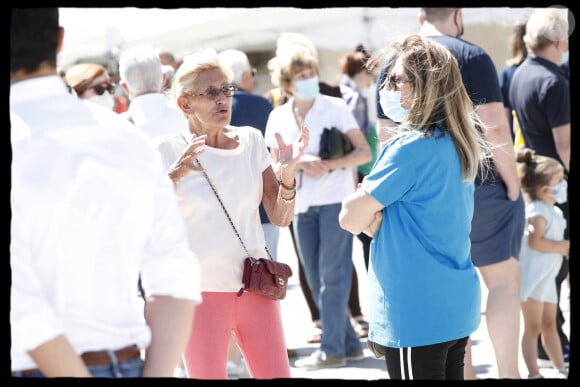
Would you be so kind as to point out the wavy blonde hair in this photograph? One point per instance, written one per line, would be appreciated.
(440, 99)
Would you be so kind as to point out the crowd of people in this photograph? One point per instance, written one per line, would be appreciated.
(124, 261)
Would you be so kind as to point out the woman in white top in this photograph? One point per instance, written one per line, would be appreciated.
(324, 248)
(238, 163)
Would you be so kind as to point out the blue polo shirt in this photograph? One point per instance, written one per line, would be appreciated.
(540, 95)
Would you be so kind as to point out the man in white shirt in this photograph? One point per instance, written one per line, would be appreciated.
(142, 78)
(92, 210)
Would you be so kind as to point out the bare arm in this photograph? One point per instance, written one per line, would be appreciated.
(170, 322)
(498, 135)
(562, 140)
(57, 358)
(538, 241)
(358, 212)
(278, 198)
(510, 118)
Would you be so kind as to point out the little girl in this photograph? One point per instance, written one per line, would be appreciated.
(543, 245)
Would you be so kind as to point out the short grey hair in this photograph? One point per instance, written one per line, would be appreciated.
(238, 62)
(544, 27)
(140, 69)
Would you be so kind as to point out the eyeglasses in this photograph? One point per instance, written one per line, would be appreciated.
(100, 89)
(393, 82)
(212, 93)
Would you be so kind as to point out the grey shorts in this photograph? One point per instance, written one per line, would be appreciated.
(497, 226)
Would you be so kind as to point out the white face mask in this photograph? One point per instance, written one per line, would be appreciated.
(105, 100)
(390, 101)
(560, 194)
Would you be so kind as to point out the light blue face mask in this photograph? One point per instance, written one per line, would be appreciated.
(561, 192)
(307, 89)
(565, 56)
(390, 101)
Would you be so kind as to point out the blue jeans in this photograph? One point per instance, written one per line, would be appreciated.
(132, 368)
(326, 254)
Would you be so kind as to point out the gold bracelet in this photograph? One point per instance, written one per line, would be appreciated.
(288, 200)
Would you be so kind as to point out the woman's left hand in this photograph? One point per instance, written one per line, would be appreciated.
(290, 154)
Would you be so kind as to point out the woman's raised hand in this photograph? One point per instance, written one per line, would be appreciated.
(290, 154)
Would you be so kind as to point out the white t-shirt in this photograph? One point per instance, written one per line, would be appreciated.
(539, 269)
(92, 209)
(326, 112)
(237, 176)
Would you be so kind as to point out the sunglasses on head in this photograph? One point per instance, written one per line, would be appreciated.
(101, 88)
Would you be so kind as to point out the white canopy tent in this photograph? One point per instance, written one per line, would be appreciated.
(93, 32)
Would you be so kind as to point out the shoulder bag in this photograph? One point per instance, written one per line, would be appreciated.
(333, 144)
(260, 275)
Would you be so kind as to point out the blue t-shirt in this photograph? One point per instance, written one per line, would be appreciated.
(251, 110)
(423, 285)
(540, 95)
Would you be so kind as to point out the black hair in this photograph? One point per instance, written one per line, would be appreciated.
(34, 35)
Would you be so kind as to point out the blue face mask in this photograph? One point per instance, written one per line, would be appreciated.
(307, 89)
(561, 192)
(390, 101)
(565, 56)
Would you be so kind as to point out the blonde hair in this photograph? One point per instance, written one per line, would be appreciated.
(535, 171)
(440, 99)
(295, 59)
(193, 65)
(289, 39)
(289, 47)
(81, 75)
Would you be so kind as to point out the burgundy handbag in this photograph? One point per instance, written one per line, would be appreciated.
(265, 276)
(260, 275)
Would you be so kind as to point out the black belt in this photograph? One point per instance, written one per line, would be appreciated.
(98, 358)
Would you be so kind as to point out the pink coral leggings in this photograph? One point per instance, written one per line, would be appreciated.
(257, 325)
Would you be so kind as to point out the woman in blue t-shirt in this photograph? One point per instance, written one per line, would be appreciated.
(417, 203)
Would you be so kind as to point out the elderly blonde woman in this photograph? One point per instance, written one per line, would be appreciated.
(239, 166)
(417, 203)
